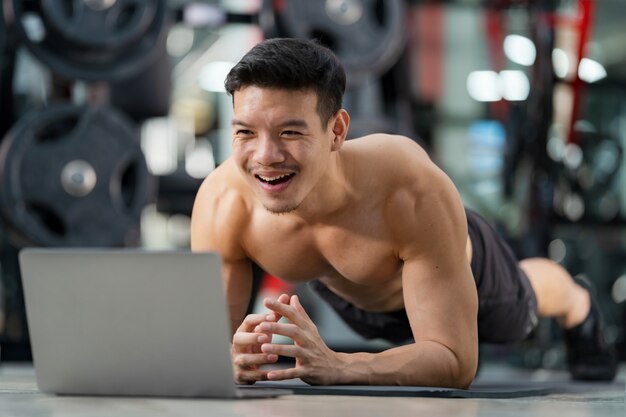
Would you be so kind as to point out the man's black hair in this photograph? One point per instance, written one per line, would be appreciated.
(292, 64)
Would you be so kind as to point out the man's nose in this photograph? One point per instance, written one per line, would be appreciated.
(268, 151)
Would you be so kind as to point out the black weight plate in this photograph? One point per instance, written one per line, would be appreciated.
(35, 198)
(79, 42)
(367, 35)
(109, 24)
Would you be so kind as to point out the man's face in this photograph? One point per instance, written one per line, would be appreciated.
(279, 144)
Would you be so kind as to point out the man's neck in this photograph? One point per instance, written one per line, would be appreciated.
(332, 193)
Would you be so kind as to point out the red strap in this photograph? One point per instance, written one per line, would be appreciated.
(585, 19)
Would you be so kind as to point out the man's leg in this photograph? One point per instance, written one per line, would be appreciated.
(558, 295)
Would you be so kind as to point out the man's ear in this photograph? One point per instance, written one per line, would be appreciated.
(340, 124)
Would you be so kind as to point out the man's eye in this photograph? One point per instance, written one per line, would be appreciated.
(244, 132)
(290, 133)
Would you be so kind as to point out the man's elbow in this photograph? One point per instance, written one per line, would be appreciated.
(462, 370)
(459, 376)
(464, 379)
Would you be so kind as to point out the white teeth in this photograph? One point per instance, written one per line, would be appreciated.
(273, 178)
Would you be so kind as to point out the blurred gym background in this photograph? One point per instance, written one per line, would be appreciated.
(113, 111)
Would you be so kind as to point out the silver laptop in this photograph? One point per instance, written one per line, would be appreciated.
(129, 323)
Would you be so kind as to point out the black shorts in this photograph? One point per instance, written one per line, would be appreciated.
(507, 306)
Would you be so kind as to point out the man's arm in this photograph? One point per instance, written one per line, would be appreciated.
(447, 360)
(439, 297)
(217, 224)
(442, 313)
(217, 220)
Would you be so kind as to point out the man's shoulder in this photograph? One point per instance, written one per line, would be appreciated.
(221, 209)
(225, 173)
(414, 190)
(223, 186)
(391, 163)
(387, 144)
(391, 154)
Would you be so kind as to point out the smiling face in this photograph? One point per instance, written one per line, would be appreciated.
(280, 145)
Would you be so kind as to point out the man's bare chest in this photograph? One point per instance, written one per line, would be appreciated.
(362, 255)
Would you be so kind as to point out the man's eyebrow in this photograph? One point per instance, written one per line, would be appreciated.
(290, 123)
(294, 123)
(236, 122)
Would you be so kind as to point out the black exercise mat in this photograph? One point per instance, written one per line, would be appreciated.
(478, 389)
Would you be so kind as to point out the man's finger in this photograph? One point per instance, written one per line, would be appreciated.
(251, 321)
(244, 360)
(284, 298)
(291, 351)
(284, 310)
(282, 374)
(250, 377)
(289, 330)
(242, 338)
(273, 316)
(295, 302)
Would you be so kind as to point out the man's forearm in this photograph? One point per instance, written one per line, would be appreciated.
(422, 364)
(237, 313)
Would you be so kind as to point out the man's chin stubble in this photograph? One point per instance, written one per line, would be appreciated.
(281, 210)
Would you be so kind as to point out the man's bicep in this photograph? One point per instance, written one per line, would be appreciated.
(440, 299)
(217, 225)
(441, 304)
(219, 221)
(237, 278)
(439, 289)
(203, 222)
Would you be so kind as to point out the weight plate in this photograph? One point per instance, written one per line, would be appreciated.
(73, 176)
(109, 24)
(368, 36)
(93, 40)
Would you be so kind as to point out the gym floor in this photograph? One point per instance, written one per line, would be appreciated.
(19, 397)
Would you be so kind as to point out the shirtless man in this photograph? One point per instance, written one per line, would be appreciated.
(379, 231)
